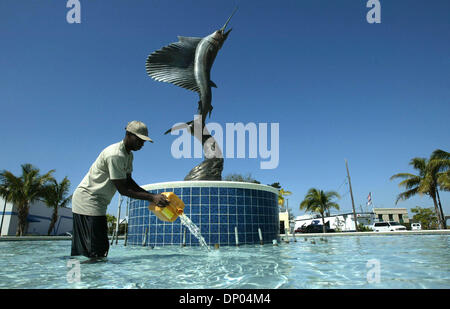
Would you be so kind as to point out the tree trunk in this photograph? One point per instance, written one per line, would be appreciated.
(440, 208)
(53, 222)
(22, 214)
(438, 213)
(324, 228)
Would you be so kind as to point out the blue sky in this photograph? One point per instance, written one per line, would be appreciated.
(339, 87)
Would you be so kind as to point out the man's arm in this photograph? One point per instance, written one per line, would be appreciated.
(135, 186)
(130, 188)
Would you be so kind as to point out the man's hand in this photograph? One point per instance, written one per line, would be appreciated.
(160, 200)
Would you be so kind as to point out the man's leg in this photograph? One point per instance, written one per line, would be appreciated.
(80, 237)
(99, 237)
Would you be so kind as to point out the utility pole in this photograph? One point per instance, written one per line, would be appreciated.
(351, 194)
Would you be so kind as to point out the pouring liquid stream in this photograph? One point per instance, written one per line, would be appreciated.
(193, 229)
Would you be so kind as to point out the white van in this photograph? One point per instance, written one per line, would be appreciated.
(416, 226)
(388, 226)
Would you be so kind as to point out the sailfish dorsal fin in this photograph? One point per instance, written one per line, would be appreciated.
(175, 63)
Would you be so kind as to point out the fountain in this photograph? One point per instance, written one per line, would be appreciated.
(218, 208)
(227, 213)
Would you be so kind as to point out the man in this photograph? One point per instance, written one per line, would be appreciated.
(111, 172)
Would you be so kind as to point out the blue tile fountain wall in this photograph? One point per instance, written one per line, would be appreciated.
(216, 207)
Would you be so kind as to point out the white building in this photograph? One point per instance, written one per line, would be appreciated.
(39, 218)
(284, 222)
(342, 222)
(399, 215)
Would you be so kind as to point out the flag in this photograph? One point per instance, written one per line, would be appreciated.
(369, 199)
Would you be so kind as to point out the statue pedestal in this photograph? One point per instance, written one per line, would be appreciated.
(209, 169)
(218, 208)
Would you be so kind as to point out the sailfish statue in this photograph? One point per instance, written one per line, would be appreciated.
(187, 64)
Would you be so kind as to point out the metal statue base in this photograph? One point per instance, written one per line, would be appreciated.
(209, 169)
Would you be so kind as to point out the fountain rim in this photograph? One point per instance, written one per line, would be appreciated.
(209, 183)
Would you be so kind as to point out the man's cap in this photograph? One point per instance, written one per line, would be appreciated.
(139, 129)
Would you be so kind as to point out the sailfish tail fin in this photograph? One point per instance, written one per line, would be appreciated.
(181, 126)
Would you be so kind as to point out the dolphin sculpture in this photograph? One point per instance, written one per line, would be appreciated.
(187, 64)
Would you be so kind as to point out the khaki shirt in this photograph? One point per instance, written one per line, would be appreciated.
(96, 190)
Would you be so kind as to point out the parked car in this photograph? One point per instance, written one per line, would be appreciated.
(416, 226)
(388, 226)
(314, 228)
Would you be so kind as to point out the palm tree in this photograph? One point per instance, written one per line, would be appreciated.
(22, 191)
(319, 201)
(281, 194)
(55, 197)
(431, 173)
(111, 220)
(441, 160)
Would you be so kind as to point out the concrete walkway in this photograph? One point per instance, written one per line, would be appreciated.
(421, 232)
(297, 235)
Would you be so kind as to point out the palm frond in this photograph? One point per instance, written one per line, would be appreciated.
(444, 181)
(403, 175)
(332, 194)
(438, 165)
(440, 154)
(333, 205)
(11, 187)
(410, 182)
(55, 194)
(407, 194)
(419, 164)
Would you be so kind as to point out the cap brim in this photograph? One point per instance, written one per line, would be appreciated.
(143, 137)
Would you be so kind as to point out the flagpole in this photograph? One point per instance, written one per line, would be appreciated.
(371, 200)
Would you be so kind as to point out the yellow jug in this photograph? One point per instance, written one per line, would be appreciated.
(171, 212)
